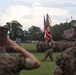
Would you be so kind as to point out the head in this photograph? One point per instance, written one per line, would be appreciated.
(3, 35)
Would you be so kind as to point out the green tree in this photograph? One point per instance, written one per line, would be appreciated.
(15, 30)
(35, 33)
(58, 29)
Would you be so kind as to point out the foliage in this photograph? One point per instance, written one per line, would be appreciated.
(35, 33)
(15, 30)
(57, 30)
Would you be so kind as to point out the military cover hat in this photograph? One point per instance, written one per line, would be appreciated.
(5, 26)
(3, 30)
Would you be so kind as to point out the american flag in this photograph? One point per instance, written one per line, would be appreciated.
(47, 31)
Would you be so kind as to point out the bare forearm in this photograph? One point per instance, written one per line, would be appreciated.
(57, 74)
(24, 52)
(20, 49)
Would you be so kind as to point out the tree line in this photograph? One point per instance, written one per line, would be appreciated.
(36, 33)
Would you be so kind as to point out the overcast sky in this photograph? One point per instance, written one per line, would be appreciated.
(31, 12)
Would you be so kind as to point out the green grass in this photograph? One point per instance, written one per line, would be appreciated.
(28, 46)
(46, 68)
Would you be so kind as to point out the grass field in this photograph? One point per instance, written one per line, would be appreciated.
(46, 68)
(29, 46)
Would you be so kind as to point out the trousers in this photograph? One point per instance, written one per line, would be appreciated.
(48, 53)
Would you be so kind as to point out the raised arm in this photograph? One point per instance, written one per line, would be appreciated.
(25, 53)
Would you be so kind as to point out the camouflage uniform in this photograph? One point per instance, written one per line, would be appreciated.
(13, 64)
(48, 52)
(66, 62)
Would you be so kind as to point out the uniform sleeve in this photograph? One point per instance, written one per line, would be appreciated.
(59, 63)
(26, 63)
(57, 69)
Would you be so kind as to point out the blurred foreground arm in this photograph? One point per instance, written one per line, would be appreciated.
(57, 74)
(57, 70)
(25, 53)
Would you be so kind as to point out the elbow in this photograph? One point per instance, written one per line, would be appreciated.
(37, 64)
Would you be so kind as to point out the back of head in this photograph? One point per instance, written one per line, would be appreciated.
(3, 35)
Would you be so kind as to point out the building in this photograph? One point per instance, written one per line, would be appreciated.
(70, 34)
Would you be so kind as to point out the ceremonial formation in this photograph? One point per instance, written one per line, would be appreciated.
(61, 53)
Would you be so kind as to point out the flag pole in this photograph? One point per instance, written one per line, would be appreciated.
(51, 26)
(71, 21)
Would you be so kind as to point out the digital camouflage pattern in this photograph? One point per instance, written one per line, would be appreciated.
(13, 64)
(67, 61)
